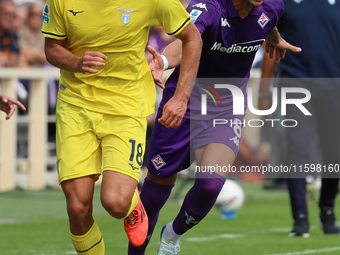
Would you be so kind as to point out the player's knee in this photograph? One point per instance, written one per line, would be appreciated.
(117, 207)
(209, 187)
(79, 210)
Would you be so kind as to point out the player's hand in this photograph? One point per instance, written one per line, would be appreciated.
(274, 42)
(156, 66)
(7, 105)
(91, 60)
(173, 112)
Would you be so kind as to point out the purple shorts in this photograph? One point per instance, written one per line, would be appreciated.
(172, 149)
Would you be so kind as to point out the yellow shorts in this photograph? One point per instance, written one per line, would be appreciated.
(89, 142)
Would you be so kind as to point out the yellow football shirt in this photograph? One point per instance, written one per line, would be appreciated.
(119, 29)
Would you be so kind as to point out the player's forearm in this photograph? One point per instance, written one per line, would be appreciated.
(268, 66)
(267, 71)
(191, 52)
(59, 56)
(190, 61)
(173, 53)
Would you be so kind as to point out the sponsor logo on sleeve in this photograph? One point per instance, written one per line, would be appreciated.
(194, 14)
(46, 14)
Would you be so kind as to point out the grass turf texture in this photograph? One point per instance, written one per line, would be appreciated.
(35, 222)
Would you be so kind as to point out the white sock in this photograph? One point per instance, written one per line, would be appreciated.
(170, 234)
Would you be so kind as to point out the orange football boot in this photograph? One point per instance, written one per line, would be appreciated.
(136, 225)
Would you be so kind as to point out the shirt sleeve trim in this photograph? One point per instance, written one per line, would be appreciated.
(61, 36)
(180, 28)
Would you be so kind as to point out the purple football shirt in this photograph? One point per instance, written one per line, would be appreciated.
(229, 46)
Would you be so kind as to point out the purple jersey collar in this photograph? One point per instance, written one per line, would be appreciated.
(233, 13)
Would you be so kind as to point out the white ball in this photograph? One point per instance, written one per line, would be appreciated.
(231, 197)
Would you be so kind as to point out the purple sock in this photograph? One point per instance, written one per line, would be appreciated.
(153, 196)
(198, 201)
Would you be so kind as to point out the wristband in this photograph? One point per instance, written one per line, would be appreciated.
(166, 62)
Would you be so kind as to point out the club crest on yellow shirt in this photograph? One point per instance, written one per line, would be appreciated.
(126, 14)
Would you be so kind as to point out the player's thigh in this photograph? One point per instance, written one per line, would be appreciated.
(205, 132)
(123, 145)
(216, 146)
(78, 148)
(215, 157)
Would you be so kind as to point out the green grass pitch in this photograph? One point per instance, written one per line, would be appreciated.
(35, 223)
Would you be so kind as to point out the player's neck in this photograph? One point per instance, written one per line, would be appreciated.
(243, 7)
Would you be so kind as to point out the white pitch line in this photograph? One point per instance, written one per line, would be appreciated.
(9, 221)
(214, 237)
(71, 252)
(248, 233)
(330, 249)
(232, 236)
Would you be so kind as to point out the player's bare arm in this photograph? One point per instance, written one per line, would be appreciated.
(7, 105)
(274, 42)
(175, 108)
(267, 70)
(156, 66)
(61, 57)
(173, 53)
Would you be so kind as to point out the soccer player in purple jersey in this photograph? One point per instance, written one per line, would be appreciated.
(232, 32)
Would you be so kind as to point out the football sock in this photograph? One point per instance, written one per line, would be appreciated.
(198, 201)
(91, 243)
(153, 196)
(170, 234)
(134, 202)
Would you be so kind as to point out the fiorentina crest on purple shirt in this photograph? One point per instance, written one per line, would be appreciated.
(263, 20)
(158, 162)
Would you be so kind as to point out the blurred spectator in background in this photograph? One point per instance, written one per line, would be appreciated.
(31, 44)
(11, 19)
(30, 39)
(19, 19)
(315, 26)
(25, 3)
(9, 48)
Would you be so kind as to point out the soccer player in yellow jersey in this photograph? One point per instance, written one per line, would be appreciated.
(106, 91)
